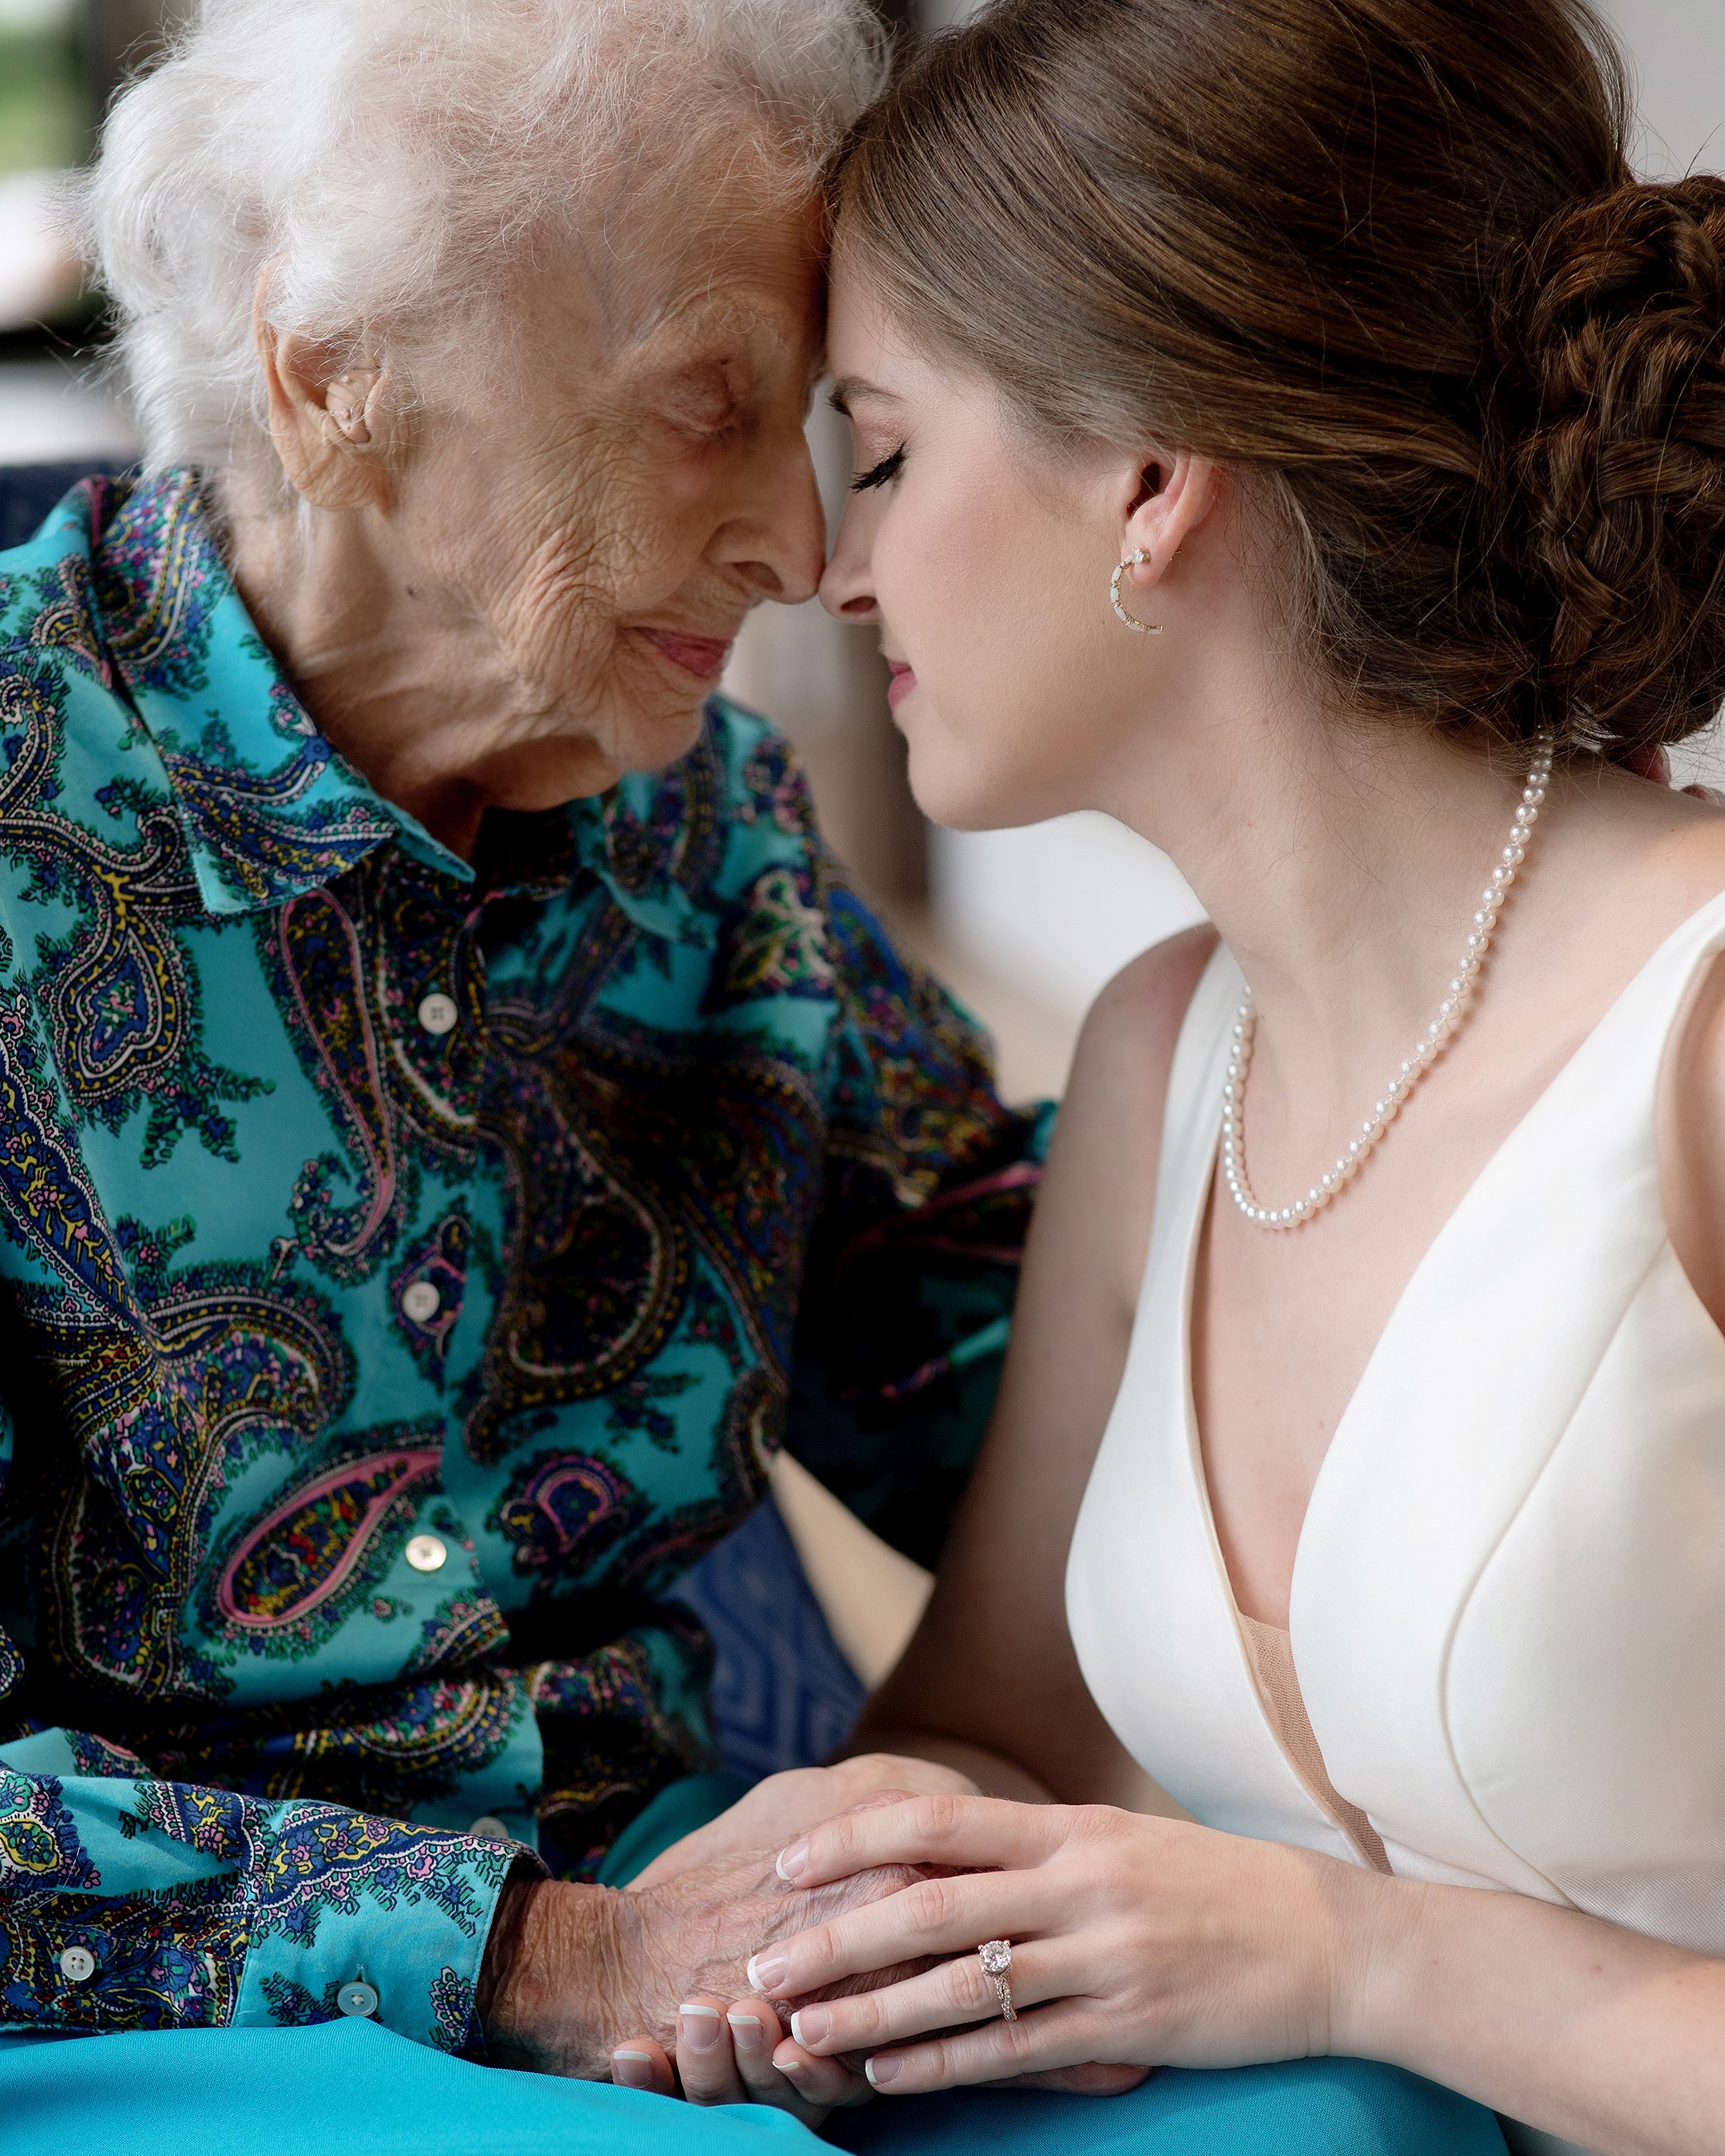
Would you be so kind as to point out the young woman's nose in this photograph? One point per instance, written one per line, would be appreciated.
(847, 589)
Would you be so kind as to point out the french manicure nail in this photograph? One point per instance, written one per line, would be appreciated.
(794, 2067)
(880, 2071)
(810, 2025)
(745, 2031)
(764, 1971)
(632, 2069)
(698, 2026)
(794, 1862)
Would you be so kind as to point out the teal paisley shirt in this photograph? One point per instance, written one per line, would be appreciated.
(408, 1269)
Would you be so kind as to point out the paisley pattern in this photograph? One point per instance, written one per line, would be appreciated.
(38, 1839)
(298, 1555)
(119, 1002)
(780, 946)
(567, 1509)
(374, 1381)
(438, 1261)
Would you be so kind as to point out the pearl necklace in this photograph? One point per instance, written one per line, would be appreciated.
(1433, 1041)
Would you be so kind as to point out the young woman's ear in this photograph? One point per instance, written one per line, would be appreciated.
(1172, 496)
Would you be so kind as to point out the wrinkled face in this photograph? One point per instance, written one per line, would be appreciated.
(608, 498)
(986, 557)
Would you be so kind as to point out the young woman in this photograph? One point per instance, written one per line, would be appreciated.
(1283, 425)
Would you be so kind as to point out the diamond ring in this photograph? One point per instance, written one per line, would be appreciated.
(996, 1958)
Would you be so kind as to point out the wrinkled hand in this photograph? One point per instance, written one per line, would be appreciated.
(1137, 1943)
(738, 2052)
(784, 1806)
(584, 1969)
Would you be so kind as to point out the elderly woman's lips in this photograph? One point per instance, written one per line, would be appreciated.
(701, 655)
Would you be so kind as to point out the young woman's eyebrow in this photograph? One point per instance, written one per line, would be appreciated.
(848, 388)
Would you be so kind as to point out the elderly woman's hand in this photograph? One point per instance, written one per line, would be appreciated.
(574, 1971)
(784, 1806)
(737, 2050)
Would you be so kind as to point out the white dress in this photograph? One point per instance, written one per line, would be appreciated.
(1507, 1613)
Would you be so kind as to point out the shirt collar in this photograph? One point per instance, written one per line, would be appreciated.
(270, 809)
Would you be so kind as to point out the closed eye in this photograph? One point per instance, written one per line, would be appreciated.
(880, 475)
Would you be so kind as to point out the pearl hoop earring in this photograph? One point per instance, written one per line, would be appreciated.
(1143, 628)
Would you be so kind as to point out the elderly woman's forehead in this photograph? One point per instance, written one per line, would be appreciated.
(743, 262)
(714, 323)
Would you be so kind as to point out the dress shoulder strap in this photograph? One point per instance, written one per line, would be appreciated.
(1192, 1113)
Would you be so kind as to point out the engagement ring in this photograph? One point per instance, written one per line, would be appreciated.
(996, 1958)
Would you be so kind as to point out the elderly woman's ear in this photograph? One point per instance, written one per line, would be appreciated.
(330, 418)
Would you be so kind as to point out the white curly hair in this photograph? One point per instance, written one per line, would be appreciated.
(390, 161)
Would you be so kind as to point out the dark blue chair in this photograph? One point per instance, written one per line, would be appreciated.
(28, 491)
(784, 1694)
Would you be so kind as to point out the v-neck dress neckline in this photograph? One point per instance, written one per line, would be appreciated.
(1268, 1649)
(1500, 1552)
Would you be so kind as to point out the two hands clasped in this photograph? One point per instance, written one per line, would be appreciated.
(1137, 1943)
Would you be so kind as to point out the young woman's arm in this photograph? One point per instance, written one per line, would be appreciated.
(1151, 1941)
(989, 1684)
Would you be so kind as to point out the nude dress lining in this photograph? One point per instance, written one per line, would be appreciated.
(1270, 1652)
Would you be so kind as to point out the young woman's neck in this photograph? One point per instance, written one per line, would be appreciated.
(1341, 862)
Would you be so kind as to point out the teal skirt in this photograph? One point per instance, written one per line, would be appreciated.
(349, 2088)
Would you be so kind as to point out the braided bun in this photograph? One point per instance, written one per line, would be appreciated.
(1612, 341)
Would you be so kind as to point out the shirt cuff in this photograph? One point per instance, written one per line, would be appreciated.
(374, 1918)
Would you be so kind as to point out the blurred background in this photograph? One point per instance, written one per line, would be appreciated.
(1026, 925)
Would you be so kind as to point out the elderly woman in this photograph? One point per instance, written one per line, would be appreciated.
(456, 1126)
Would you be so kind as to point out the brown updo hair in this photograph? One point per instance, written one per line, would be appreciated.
(1387, 259)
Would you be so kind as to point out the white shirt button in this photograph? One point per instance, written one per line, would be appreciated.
(78, 1964)
(358, 1999)
(437, 1014)
(489, 1829)
(421, 1301)
(427, 1552)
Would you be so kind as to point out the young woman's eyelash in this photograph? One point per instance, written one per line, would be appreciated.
(879, 475)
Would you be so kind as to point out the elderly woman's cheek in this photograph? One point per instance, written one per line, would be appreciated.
(556, 625)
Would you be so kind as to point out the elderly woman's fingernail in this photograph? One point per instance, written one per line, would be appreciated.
(794, 2067)
(810, 2025)
(764, 1971)
(632, 2069)
(745, 2031)
(698, 2026)
(882, 2071)
(793, 1861)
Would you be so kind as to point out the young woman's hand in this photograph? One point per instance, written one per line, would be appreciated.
(785, 1805)
(1137, 1943)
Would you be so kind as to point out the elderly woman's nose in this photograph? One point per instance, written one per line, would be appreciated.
(777, 538)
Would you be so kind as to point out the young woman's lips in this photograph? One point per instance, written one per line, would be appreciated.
(703, 656)
(904, 679)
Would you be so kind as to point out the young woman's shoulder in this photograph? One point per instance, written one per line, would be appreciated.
(1684, 872)
(1691, 1139)
(1136, 1020)
(1103, 1170)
